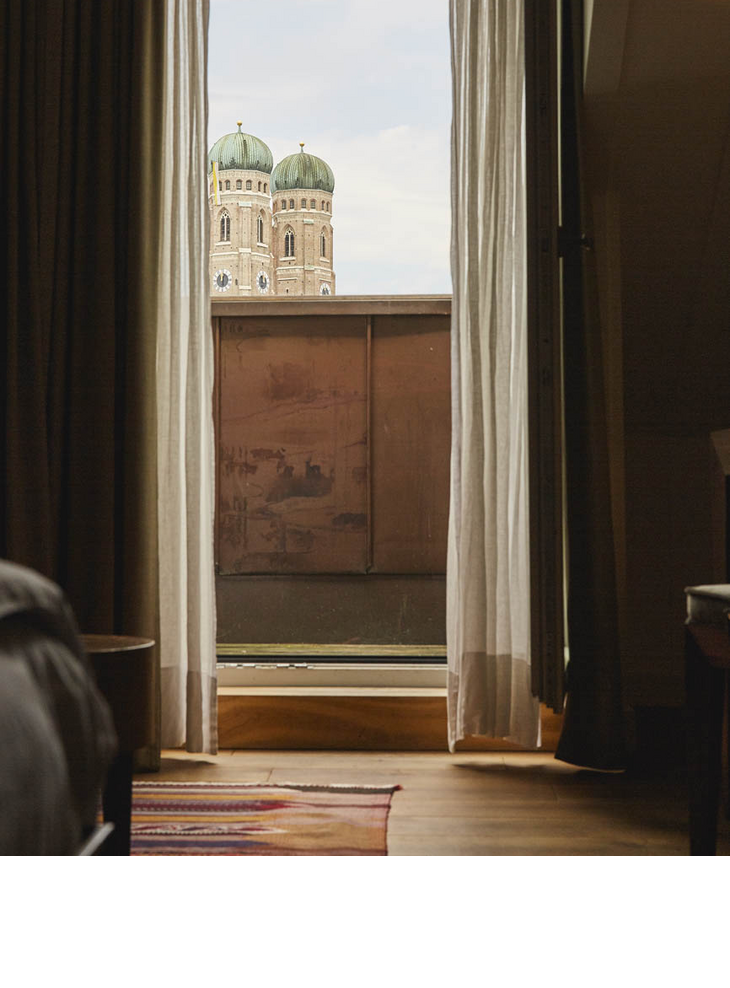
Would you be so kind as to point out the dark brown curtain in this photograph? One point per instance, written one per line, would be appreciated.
(593, 725)
(79, 154)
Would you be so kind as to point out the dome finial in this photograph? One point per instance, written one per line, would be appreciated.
(240, 123)
(301, 145)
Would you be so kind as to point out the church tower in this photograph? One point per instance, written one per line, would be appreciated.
(239, 195)
(302, 187)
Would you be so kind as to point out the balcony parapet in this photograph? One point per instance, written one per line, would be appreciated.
(334, 305)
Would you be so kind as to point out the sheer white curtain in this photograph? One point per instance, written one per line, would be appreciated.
(488, 603)
(184, 393)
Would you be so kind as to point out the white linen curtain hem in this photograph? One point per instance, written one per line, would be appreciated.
(185, 388)
(488, 573)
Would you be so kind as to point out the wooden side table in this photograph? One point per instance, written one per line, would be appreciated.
(124, 670)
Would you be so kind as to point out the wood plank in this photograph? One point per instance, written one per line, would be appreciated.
(490, 803)
(346, 719)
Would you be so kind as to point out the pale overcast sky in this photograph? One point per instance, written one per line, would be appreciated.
(367, 85)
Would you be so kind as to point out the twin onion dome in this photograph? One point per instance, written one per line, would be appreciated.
(297, 171)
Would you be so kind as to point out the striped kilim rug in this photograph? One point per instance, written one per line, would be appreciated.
(250, 818)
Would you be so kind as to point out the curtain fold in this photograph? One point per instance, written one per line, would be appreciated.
(78, 83)
(593, 726)
(488, 600)
(105, 354)
(185, 393)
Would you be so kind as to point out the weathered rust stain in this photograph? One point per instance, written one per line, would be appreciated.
(350, 520)
(299, 540)
(313, 484)
(267, 454)
(289, 381)
(233, 462)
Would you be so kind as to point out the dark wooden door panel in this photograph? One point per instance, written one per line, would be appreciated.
(411, 441)
(292, 445)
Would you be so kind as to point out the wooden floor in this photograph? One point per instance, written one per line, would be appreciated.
(496, 803)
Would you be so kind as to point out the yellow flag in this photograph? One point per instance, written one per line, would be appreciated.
(216, 191)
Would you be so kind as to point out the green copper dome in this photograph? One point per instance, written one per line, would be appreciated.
(240, 150)
(302, 171)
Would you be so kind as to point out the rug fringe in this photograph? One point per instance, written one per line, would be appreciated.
(302, 786)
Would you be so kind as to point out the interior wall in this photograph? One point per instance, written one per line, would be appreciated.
(658, 120)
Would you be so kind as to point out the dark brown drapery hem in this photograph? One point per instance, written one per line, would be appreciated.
(79, 160)
(593, 731)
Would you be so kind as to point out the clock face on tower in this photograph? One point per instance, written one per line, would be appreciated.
(222, 280)
(324, 289)
(262, 282)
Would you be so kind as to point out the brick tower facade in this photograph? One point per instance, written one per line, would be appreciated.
(256, 250)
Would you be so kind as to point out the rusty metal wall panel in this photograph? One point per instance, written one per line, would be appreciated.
(411, 443)
(292, 491)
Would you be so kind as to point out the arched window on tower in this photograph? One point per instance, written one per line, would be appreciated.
(266, 186)
(260, 228)
(225, 226)
(328, 207)
(259, 186)
(289, 243)
(323, 205)
(248, 184)
(283, 203)
(239, 183)
(228, 185)
(304, 203)
(291, 204)
(312, 204)
(323, 244)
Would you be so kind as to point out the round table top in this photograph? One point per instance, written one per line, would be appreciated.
(96, 644)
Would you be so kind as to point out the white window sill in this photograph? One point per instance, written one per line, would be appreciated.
(330, 676)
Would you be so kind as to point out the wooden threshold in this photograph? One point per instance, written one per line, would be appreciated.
(349, 719)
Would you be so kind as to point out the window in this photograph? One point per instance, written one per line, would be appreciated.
(328, 207)
(289, 243)
(323, 244)
(312, 204)
(259, 186)
(304, 203)
(283, 204)
(225, 226)
(248, 184)
(239, 183)
(291, 204)
(266, 186)
(220, 186)
(323, 205)
(228, 185)
(260, 229)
